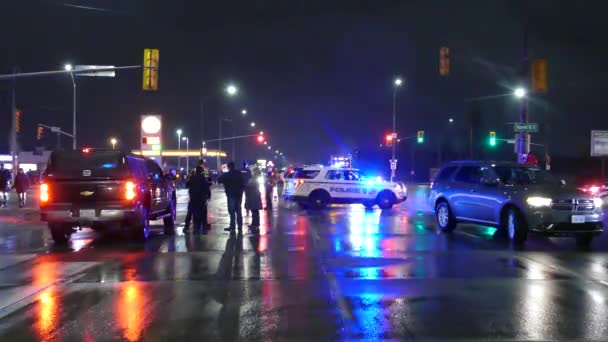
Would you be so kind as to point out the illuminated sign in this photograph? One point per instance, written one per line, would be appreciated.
(151, 124)
(151, 134)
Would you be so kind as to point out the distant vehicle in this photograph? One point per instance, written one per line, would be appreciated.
(319, 186)
(102, 188)
(516, 197)
(598, 189)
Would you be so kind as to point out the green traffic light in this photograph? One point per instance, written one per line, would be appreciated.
(420, 140)
(492, 142)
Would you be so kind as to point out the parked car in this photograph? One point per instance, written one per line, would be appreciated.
(519, 198)
(100, 188)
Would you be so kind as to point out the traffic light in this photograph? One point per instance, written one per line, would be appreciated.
(420, 137)
(492, 140)
(40, 132)
(444, 61)
(18, 121)
(539, 75)
(389, 140)
(150, 69)
(261, 138)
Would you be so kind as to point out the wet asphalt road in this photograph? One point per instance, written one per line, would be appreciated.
(339, 274)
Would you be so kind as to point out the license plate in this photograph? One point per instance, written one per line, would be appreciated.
(87, 212)
(578, 218)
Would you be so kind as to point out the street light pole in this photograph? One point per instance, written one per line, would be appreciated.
(69, 67)
(179, 148)
(523, 138)
(397, 84)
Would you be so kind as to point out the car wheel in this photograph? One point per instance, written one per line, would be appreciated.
(319, 199)
(385, 200)
(141, 230)
(169, 221)
(369, 205)
(584, 240)
(445, 219)
(60, 232)
(516, 226)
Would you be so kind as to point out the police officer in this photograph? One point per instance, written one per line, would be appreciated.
(200, 192)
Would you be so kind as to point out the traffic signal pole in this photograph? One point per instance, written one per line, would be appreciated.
(394, 128)
(523, 138)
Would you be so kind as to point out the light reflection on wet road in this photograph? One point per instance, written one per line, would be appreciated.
(339, 274)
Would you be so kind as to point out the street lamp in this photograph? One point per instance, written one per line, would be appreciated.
(397, 83)
(113, 141)
(69, 67)
(179, 148)
(520, 92)
(244, 112)
(253, 124)
(232, 90)
(451, 120)
(187, 153)
(270, 147)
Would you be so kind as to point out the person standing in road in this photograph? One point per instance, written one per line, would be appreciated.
(5, 179)
(269, 189)
(234, 186)
(22, 184)
(246, 177)
(253, 200)
(199, 192)
(190, 203)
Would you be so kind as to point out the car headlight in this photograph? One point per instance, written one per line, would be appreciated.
(598, 202)
(536, 201)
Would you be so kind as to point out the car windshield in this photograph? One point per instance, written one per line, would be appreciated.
(524, 175)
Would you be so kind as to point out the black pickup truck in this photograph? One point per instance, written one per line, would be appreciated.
(101, 188)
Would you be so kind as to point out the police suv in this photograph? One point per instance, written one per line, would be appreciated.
(318, 186)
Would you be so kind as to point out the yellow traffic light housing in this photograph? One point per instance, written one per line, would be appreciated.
(150, 69)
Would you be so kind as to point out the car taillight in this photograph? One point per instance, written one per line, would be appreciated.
(592, 189)
(44, 193)
(130, 191)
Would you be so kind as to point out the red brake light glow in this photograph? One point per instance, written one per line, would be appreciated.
(86, 150)
(44, 193)
(130, 191)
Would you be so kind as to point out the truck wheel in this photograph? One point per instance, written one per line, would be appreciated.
(141, 230)
(445, 219)
(584, 240)
(516, 226)
(385, 200)
(169, 221)
(319, 199)
(60, 232)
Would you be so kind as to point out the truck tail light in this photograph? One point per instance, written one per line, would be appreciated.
(130, 190)
(44, 193)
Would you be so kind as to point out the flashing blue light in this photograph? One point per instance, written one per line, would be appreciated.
(108, 166)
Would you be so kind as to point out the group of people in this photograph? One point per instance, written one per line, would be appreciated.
(236, 184)
(21, 184)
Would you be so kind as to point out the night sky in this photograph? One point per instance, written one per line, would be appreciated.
(315, 75)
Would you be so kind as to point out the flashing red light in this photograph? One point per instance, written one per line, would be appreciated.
(86, 150)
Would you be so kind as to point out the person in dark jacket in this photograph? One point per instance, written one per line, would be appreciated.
(234, 186)
(253, 200)
(190, 203)
(22, 184)
(246, 177)
(199, 192)
(5, 179)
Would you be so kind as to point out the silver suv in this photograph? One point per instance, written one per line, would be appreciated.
(516, 197)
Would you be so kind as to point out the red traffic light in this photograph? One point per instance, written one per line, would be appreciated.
(261, 138)
(389, 138)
